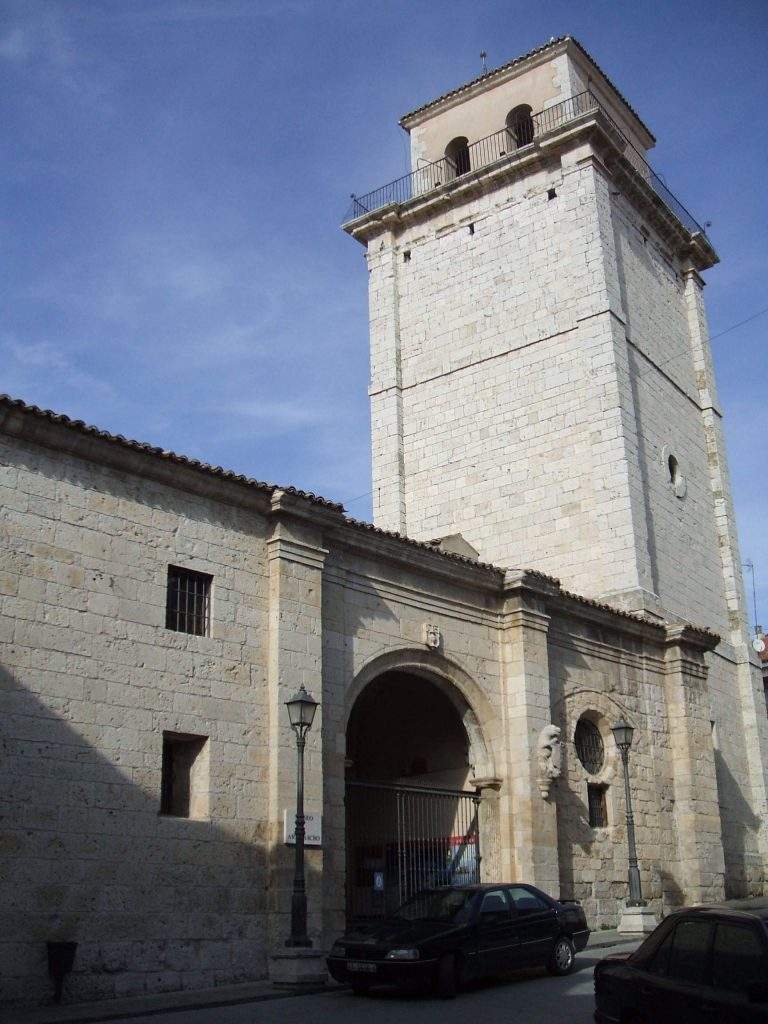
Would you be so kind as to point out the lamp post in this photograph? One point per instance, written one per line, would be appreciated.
(301, 712)
(622, 733)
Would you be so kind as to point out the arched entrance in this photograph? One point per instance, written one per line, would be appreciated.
(412, 814)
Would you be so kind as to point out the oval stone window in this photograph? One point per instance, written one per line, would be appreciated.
(589, 745)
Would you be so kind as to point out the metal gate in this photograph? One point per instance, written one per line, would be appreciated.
(401, 839)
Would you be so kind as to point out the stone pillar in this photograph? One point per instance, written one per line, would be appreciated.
(491, 869)
(751, 693)
(697, 813)
(296, 558)
(529, 834)
(385, 390)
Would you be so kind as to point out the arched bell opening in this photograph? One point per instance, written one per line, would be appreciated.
(457, 157)
(520, 125)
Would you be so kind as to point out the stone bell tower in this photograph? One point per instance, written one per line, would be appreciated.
(541, 376)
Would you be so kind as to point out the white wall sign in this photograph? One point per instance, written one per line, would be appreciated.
(313, 827)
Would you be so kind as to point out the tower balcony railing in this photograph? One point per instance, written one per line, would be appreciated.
(505, 144)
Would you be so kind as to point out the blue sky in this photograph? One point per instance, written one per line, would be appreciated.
(175, 172)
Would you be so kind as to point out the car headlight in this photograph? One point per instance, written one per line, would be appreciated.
(403, 954)
(338, 950)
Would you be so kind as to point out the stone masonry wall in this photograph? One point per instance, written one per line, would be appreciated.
(686, 570)
(511, 409)
(373, 621)
(593, 861)
(89, 679)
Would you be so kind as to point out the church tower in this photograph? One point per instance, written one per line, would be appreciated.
(541, 376)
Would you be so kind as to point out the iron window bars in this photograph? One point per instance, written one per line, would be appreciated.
(598, 810)
(589, 745)
(188, 602)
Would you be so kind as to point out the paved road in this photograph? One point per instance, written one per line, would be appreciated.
(532, 997)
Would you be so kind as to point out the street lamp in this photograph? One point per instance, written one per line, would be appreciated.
(301, 712)
(622, 733)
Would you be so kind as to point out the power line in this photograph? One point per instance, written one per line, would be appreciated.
(350, 501)
(733, 327)
(655, 366)
(713, 337)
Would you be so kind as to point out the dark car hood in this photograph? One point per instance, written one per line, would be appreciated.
(392, 931)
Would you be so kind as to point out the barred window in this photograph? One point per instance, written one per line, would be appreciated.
(598, 810)
(188, 603)
(589, 745)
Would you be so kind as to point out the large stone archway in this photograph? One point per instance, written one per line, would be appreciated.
(469, 701)
(416, 762)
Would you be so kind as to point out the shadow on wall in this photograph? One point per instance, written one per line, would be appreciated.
(738, 822)
(155, 903)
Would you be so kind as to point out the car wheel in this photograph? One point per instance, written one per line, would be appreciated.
(563, 957)
(445, 981)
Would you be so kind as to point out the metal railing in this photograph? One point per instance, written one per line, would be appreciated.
(503, 144)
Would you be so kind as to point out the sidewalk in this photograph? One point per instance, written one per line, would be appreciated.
(610, 937)
(226, 995)
(150, 1005)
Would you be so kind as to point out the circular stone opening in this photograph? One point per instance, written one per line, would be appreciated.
(589, 746)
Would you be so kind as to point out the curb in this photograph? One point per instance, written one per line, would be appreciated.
(96, 1016)
(101, 1013)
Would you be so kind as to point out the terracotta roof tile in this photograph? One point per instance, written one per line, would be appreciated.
(161, 453)
(360, 524)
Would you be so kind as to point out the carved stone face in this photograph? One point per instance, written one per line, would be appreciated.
(550, 736)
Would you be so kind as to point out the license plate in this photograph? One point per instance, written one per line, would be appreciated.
(361, 965)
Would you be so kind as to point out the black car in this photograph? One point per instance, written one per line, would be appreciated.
(448, 936)
(700, 964)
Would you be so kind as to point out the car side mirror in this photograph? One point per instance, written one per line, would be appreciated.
(757, 992)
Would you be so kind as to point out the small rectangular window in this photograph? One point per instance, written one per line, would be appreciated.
(188, 603)
(598, 810)
(184, 786)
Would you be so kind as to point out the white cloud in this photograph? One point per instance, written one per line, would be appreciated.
(34, 370)
(281, 416)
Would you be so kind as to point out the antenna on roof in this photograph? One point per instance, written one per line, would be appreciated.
(483, 56)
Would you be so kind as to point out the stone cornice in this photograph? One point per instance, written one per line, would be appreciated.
(610, 146)
(487, 782)
(377, 545)
(411, 595)
(692, 638)
(288, 549)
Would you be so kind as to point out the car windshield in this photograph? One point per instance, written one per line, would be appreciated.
(445, 905)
